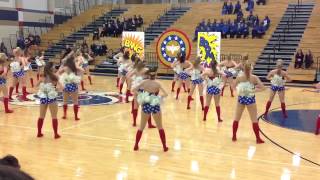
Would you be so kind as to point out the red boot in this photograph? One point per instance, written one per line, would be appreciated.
(76, 110)
(202, 102)
(127, 95)
(163, 140)
(82, 86)
(218, 109)
(138, 137)
(120, 88)
(17, 88)
(189, 101)
(6, 105)
(205, 112)
(256, 130)
(134, 115)
(65, 108)
(284, 112)
(24, 93)
(178, 91)
(39, 126)
(172, 86)
(10, 92)
(268, 105)
(55, 128)
(90, 80)
(235, 126)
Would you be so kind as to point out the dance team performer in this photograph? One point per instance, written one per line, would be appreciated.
(278, 78)
(79, 62)
(214, 86)
(117, 58)
(124, 67)
(180, 67)
(138, 74)
(150, 103)
(48, 98)
(86, 59)
(27, 68)
(3, 82)
(175, 79)
(69, 79)
(196, 81)
(246, 85)
(17, 68)
(228, 67)
(40, 64)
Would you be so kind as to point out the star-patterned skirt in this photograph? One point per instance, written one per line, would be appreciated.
(3, 81)
(70, 88)
(277, 88)
(84, 66)
(47, 100)
(149, 109)
(197, 81)
(228, 74)
(18, 74)
(183, 76)
(213, 90)
(244, 100)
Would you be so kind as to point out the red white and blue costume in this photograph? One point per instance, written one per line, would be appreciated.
(47, 93)
(70, 82)
(246, 95)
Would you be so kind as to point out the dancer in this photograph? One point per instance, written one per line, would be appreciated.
(124, 67)
(228, 66)
(246, 86)
(86, 59)
(117, 58)
(70, 79)
(80, 61)
(18, 74)
(196, 81)
(150, 102)
(175, 79)
(278, 78)
(48, 98)
(214, 85)
(3, 82)
(40, 63)
(27, 68)
(180, 66)
(138, 75)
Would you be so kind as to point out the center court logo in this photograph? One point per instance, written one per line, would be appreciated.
(90, 98)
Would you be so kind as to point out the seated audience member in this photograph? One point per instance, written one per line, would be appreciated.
(230, 8)
(308, 60)
(250, 5)
(254, 32)
(256, 21)
(11, 161)
(96, 34)
(245, 31)
(37, 40)
(196, 32)
(224, 8)
(110, 29)
(266, 22)
(261, 31)
(203, 22)
(251, 19)
(213, 26)
(104, 49)
(224, 29)
(233, 30)
(20, 42)
(140, 20)
(299, 59)
(239, 15)
(3, 48)
(11, 173)
(237, 7)
(263, 2)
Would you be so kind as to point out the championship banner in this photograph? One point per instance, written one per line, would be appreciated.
(209, 45)
(134, 42)
(170, 44)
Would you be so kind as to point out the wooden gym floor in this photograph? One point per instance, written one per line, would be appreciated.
(100, 145)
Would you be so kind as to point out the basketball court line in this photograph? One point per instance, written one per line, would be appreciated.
(279, 145)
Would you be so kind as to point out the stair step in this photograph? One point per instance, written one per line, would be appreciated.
(279, 53)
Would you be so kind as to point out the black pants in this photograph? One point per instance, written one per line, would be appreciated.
(298, 64)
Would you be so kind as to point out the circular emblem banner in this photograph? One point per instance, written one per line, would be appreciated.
(170, 44)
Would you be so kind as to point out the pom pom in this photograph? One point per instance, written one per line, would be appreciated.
(15, 67)
(245, 89)
(277, 81)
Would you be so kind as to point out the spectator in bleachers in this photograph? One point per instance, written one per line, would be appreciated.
(233, 30)
(3, 49)
(196, 32)
(266, 22)
(250, 5)
(230, 8)
(224, 8)
(239, 15)
(254, 31)
(263, 2)
(245, 31)
(96, 34)
(20, 42)
(251, 18)
(261, 30)
(140, 20)
(37, 40)
(299, 59)
(256, 21)
(224, 28)
(237, 8)
(308, 60)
